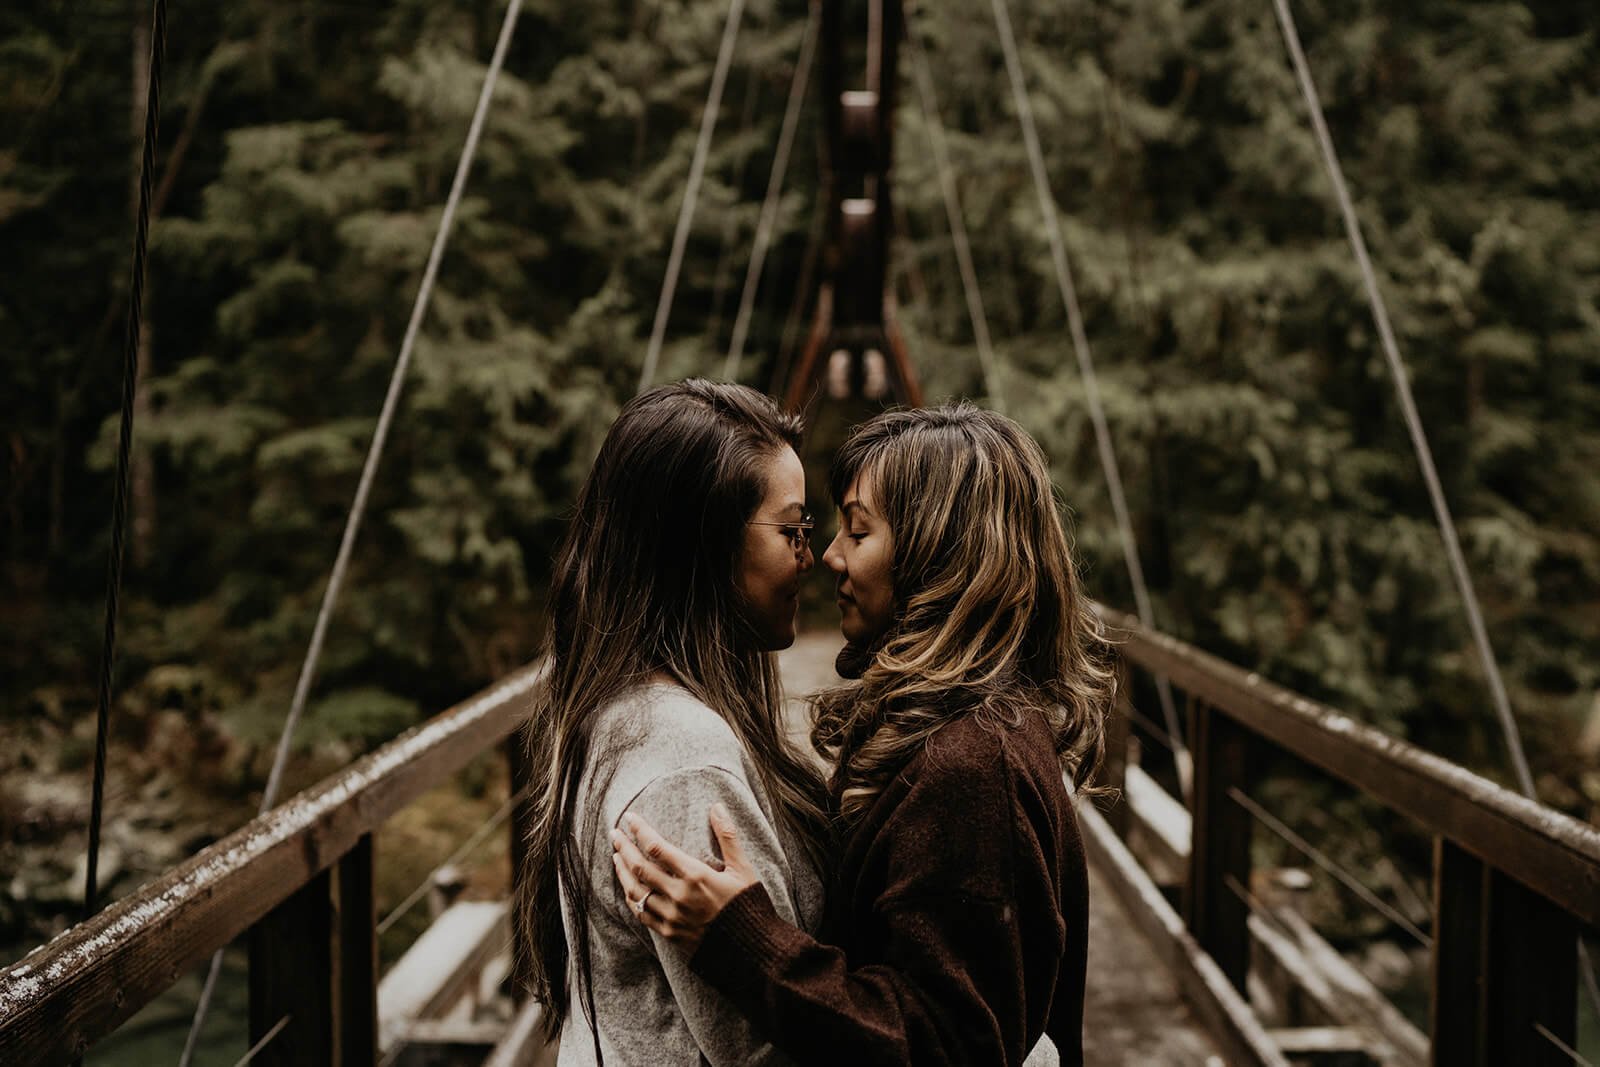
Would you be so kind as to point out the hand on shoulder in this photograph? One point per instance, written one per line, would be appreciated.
(672, 892)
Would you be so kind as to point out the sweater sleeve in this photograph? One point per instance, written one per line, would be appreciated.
(677, 805)
(941, 975)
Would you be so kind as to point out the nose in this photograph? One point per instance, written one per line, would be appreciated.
(805, 560)
(834, 556)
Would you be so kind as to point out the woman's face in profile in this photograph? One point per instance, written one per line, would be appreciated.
(860, 559)
(776, 554)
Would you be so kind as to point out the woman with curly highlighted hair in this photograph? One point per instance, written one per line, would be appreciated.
(956, 922)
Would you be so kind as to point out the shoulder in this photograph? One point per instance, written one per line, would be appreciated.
(963, 810)
(962, 771)
(995, 773)
(666, 727)
(993, 761)
(659, 736)
(975, 743)
(967, 738)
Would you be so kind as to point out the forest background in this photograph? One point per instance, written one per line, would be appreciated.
(305, 152)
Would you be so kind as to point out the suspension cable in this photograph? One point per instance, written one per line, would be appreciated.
(1571, 1053)
(119, 503)
(1408, 407)
(769, 208)
(476, 838)
(691, 193)
(1157, 732)
(266, 1038)
(730, 225)
(958, 225)
(1419, 439)
(1091, 384)
(1315, 855)
(390, 403)
(380, 435)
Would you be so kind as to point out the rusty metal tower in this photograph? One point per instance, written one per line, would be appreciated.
(854, 346)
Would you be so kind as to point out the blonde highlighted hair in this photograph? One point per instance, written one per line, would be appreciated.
(989, 617)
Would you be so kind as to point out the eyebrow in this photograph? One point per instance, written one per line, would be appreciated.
(851, 506)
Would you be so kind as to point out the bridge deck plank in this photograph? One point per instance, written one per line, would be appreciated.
(1133, 1011)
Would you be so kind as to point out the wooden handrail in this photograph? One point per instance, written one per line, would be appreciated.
(1513, 881)
(80, 986)
(1553, 854)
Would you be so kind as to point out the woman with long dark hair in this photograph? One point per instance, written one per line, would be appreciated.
(678, 577)
(957, 913)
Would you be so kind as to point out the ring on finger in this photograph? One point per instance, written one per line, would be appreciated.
(638, 905)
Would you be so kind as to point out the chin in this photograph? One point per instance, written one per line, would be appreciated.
(780, 637)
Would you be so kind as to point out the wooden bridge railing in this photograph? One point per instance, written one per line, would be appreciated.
(1514, 882)
(298, 880)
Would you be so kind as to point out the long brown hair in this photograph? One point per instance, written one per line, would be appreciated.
(989, 618)
(644, 582)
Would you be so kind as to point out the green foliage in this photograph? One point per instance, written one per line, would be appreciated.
(368, 714)
(1277, 506)
(320, 144)
(1278, 510)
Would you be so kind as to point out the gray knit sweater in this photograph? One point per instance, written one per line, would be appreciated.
(680, 758)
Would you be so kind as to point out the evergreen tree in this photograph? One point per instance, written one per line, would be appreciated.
(1279, 512)
(321, 143)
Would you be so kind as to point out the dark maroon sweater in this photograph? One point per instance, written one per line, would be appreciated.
(956, 924)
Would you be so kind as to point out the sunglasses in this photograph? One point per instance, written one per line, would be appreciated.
(798, 531)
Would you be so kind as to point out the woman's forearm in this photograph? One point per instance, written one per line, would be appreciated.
(925, 1003)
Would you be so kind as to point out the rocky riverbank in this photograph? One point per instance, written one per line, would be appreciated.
(178, 779)
(174, 783)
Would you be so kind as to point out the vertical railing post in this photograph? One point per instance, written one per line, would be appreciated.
(357, 958)
(1219, 851)
(292, 975)
(1533, 976)
(519, 775)
(1114, 772)
(314, 961)
(1505, 966)
(1456, 1013)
